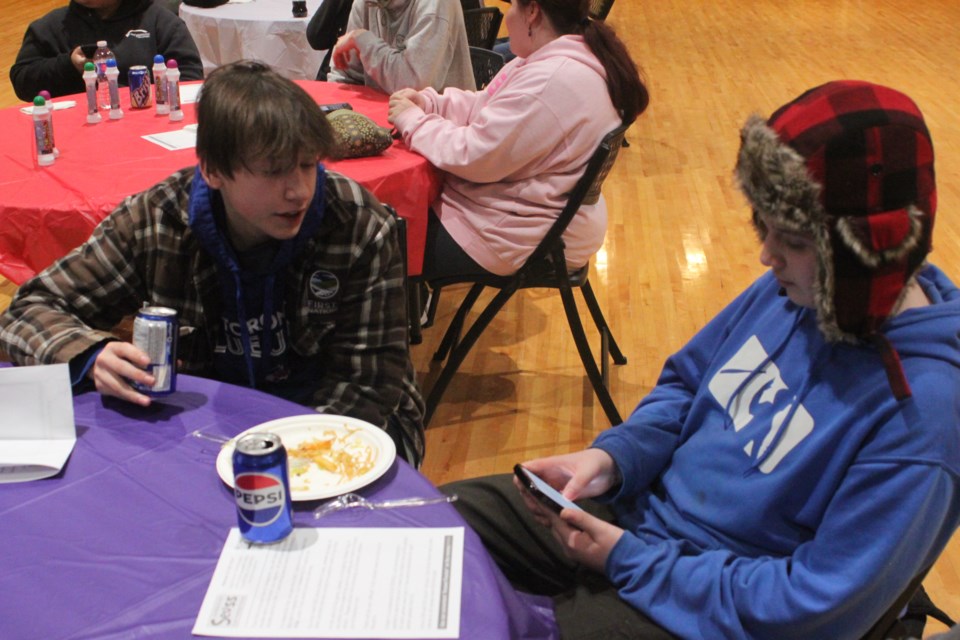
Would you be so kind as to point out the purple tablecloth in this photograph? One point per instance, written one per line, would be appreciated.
(124, 541)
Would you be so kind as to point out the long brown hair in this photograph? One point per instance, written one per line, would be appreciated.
(627, 91)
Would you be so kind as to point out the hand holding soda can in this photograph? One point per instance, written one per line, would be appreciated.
(155, 332)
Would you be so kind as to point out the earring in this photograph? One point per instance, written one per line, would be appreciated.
(529, 31)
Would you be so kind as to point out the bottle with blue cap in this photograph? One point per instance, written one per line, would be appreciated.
(113, 82)
(160, 86)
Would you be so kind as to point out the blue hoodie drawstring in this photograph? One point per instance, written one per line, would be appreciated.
(244, 331)
(266, 334)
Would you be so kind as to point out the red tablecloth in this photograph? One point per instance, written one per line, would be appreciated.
(47, 211)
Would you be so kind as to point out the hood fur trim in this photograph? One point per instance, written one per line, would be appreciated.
(775, 178)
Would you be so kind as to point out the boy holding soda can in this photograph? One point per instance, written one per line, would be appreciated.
(285, 277)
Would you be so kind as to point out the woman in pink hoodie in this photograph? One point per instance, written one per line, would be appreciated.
(513, 151)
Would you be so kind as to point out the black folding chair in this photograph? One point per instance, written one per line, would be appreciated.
(600, 8)
(545, 268)
(482, 26)
(486, 64)
(325, 27)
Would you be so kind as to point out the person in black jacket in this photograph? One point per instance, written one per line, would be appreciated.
(52, 54)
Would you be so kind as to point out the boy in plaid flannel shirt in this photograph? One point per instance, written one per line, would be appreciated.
(286, 277)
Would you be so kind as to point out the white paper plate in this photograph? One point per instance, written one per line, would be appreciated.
(316, 484)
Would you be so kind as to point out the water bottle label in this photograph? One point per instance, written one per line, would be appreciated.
(174, 97)
(44, 134)
(114, 96)
(91, 99)
(161, 92)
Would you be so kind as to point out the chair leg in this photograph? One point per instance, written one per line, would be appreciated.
(605, 358)
(433, 301)
(586, 356)
(452, 336)
(462, 347)
(413, 312)
(601, 322)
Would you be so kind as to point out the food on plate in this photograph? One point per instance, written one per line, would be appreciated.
(343, 453)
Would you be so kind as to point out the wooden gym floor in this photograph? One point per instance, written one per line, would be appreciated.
(679, 246)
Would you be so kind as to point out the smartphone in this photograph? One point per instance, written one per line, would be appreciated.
(88, 49)
(327, 108)
(543, 492)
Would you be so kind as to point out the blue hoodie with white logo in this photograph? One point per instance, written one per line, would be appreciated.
(774, 487)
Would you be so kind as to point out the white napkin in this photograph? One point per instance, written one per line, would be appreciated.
(37, 432)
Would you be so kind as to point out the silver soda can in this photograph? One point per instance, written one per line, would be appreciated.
(155, 331)
(138, 78)
(261, 488)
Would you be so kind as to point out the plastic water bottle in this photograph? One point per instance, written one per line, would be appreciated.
(90, 79)
(173, 90)
(43, 132)
(100, 57)
(113, 79)
(160, 85)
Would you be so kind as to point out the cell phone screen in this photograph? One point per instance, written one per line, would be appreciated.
(327, 108)
(543, 491)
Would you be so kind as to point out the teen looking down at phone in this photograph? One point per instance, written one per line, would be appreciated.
(392, 44)
(51, 56)
(798, 461)
(512, 153)
(286, 277)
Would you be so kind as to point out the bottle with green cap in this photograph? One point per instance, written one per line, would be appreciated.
(90, 79)
(43, 132)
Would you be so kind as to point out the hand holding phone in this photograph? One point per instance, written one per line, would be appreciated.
(542, 491)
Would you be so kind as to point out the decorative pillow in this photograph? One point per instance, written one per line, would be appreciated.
(357, 135)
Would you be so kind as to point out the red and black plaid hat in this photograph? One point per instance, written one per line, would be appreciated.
(851, 163)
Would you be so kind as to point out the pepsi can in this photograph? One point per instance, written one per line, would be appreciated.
(138, 78)
(155, 333)
(261, 487)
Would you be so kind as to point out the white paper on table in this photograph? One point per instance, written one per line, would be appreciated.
(37, 432)
(185, 138)
(56, 106)
(338, 583)
(189, 92)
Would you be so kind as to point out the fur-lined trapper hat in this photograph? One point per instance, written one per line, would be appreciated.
(852, 164)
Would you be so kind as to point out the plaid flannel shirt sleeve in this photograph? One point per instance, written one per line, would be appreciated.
(369, 374)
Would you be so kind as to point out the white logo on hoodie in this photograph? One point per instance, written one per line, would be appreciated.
(741, 383)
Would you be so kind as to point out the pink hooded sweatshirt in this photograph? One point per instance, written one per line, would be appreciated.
(513, 152)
